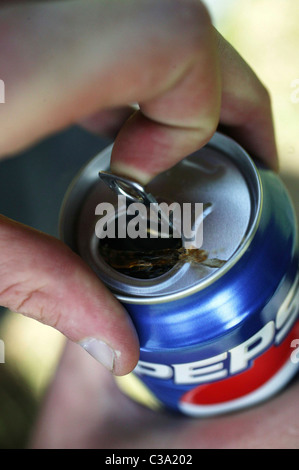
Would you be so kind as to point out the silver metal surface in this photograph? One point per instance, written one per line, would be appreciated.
(221, 176)
(132, 190)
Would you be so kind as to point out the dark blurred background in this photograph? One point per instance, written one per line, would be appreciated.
(32, 186)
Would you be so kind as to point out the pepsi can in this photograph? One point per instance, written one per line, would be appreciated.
(217, 335)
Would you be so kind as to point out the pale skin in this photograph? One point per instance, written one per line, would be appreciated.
(69, 62)
(85, 409)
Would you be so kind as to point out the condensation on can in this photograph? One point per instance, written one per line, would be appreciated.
(216, 338)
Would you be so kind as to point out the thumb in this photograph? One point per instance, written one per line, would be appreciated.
(42, 278)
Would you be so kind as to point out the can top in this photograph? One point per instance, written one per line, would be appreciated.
(221, 176)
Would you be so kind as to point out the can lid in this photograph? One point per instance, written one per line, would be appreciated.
(221, 176)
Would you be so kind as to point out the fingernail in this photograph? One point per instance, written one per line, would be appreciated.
(100, 351)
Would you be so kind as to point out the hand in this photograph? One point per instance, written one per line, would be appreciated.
(68, 62)
(84, 409)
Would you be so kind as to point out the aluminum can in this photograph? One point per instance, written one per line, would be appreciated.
(213, 339)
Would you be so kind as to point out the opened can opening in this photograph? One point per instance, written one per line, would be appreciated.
(143, 257)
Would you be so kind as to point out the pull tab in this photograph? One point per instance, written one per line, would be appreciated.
(133, 192)
(130, 189)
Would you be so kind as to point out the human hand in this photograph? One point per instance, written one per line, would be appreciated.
(68, 62)
(84, 409)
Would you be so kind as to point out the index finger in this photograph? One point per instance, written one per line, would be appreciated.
(64, 61)
(182, 120)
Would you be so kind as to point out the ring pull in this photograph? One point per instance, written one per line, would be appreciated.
(130, 189)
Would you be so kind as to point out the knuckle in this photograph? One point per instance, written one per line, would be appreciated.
(195, 23)
(31, 302)
(38, 305)
(261, 102)
(265, 96)
(188, 19)
(191, 12)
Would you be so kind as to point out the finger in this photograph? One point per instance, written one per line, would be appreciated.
(176, 122)
(163, 133)
(41, 278)
(99, 416)
(64, 61)
(246, 112)
(162, 43)
(116, 422)
(107, 122)
(83, 411)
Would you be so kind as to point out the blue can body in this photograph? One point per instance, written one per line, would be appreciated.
(221, 317)
(229, 341)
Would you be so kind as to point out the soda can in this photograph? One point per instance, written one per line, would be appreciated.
(217, 334)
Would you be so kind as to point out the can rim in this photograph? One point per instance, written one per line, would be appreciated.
(235, 152)
(218, 141)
